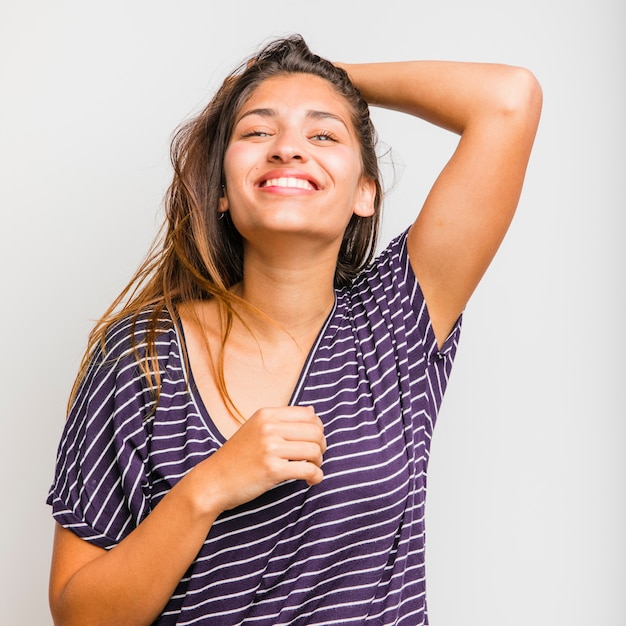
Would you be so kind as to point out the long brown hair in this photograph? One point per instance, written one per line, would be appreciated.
(198, 256)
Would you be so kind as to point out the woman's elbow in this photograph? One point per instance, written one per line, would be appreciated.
(521, 95)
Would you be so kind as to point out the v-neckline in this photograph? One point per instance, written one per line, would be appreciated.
(196, 396)
(306, 367)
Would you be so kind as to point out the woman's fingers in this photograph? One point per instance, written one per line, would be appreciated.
(288, 435)
(295, 424)
(274, 445)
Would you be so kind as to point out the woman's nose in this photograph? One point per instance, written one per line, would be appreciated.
(287, 147)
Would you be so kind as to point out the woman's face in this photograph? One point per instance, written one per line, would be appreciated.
(293, 164)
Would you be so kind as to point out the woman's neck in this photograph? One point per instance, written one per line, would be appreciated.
(294, 294)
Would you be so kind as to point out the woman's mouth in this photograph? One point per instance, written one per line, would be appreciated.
(289, 182)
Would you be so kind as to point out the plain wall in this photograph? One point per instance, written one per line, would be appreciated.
(526, 511)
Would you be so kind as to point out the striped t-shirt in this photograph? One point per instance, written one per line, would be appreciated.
(349, 550)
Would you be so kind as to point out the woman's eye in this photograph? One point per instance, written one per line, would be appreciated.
(256, 133)
(324, 137)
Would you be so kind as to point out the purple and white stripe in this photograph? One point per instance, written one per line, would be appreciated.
(347, 551)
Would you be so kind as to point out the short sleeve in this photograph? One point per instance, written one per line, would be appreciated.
(394, 271)
(101, 490)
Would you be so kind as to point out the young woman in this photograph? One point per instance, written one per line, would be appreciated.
(249, 433)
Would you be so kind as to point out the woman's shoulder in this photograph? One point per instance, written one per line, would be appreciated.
(389, 271)
(136, 349)
(148, 335)
(132, 332)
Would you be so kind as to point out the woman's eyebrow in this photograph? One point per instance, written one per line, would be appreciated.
(261, 112)
(311, 113)
(318, 115)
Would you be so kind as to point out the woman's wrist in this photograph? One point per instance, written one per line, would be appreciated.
(198, 493)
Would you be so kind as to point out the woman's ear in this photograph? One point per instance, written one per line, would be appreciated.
(366, 193)
(223, 205)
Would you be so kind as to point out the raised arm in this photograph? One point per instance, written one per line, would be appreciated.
(495, 109)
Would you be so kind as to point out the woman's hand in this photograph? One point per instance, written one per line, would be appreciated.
(274, 445)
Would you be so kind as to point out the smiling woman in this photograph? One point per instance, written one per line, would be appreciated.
(293, 165)
(248, 436)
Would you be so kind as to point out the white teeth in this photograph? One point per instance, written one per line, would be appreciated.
(298, 183)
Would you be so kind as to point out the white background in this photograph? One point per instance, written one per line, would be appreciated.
(526, 514)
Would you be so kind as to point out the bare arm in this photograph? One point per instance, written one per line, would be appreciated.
(131, 583)
(495, 109)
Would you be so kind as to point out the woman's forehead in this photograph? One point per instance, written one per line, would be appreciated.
(297, 91)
